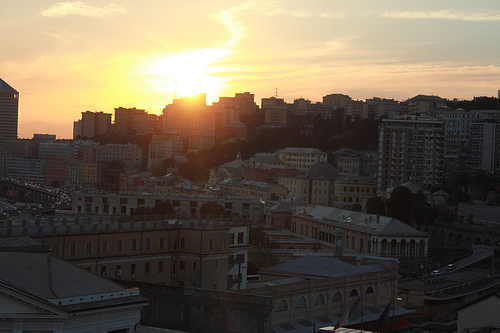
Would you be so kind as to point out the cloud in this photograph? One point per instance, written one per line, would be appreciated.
(80, 8)
(455, 15)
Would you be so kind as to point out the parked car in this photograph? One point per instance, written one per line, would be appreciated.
(451, 267)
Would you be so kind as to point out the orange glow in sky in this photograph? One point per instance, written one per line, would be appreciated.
(70, 56)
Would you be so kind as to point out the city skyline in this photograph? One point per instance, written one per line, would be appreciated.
(69, 57)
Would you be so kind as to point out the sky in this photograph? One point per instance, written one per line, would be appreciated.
(65, 58)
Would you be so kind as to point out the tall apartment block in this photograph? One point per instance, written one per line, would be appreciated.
(134, 121)
(410, 150)
(485, 147)
(95, 123)
(193, 120)
(9, 108)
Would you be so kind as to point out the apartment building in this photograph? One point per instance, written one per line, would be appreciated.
(192, 120)
(484, 147)
(129, 154)
(410, 150)
(338, 100)
(354, 190)
(134, 121)
(301, 158)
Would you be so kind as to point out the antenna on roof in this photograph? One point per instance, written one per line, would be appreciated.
(276, 94)
(175, 90)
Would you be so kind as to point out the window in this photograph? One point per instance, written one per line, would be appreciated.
(182, 264)
(162, 243)
(104, 248)
(132, 269)
(160, 266)
(231, 238)
(183, 243)
(55, 249)
(194, 266)
(240, 237)
(146, 267)
(89, 248)
(210, 244)
(72, 249)
(148, 243)
(134, 245)
(301, 303)
(119, 246)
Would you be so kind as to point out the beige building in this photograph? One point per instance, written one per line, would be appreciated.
(94, 124)
(364, 233)
(316, 186)
(354, 190)
(163, 147)
(134, 121)
(301, 158)
(129, 154)
(193, 253)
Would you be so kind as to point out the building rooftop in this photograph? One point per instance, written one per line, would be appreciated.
(295, 150)
(314, 267)
(377, 224)
(321, 170)
(4, 87)
(48, 277)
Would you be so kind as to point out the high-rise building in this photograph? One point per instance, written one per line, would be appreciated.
(93, 124)
(193, 120)
(9, 108)
(485, 147)
(410, 150)
(134, 121)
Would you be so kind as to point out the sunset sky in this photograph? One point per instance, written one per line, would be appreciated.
(69, 57)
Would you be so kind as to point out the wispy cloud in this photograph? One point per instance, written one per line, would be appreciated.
(474, 16)
(80, 8)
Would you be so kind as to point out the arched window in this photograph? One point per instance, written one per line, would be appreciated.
(369, 292)
(337, 297)
(301, 303)
(354, 293)
(384, 290)
(319, 300)
(282, 306)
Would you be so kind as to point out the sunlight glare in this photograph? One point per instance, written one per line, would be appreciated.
(188, 73)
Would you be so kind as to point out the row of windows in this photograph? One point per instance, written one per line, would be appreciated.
(89, 248)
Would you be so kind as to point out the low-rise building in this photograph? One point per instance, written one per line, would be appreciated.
(354, 190)
(314, 291)
(183, 205)
(42, 293)
(251, 189)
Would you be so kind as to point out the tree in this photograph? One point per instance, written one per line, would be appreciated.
(375, 205)
(257, 237)
(213, 210)
(400, 203)
(357, 207)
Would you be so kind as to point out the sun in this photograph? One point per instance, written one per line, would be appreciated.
(188, 73)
